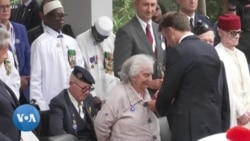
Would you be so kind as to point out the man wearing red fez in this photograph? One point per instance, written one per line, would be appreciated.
(237, 73)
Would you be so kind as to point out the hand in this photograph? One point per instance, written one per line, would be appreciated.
(24, 82)
(155, 84)
(244, 119)
(97, 103)
(155, 95)
(151, 105)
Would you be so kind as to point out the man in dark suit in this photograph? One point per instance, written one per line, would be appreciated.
(188, 7)
(140, 36)
(8, 100)
(72, 110)
(192, 87)
(26, 13)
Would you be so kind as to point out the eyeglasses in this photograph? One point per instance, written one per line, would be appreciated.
(59, 15)
(84, 89)
(234, 33)
(4, 7)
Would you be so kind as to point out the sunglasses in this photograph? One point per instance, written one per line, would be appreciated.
(234, 33)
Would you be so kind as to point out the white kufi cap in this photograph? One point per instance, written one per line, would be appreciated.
(52, 5)
(104, 25)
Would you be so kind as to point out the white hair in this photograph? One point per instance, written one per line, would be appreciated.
(4, 35)
(133, 65)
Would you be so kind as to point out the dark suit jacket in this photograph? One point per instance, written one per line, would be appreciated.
(29, 17)
(61, 114)
(131, 40)
(34, 33)
(191, 86)
(8, 104)
(203, 18)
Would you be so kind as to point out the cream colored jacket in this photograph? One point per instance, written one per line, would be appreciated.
(123, 117)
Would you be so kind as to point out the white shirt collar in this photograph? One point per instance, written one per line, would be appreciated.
(193, 16)
(73, 100)
(144, 24)
(51, 31)
(185, 35)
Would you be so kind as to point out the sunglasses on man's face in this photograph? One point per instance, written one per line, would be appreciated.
(234, 33)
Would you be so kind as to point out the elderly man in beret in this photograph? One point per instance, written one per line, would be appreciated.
(97, 47)
(72, 110)
(53, 57)
(237, 73)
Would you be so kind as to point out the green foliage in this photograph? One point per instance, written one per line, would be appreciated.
(123, 11)
(214, 8)
(14, 2)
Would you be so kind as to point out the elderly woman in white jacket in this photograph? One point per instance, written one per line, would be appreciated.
(124, 116)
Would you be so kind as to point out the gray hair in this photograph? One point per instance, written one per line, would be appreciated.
(4, 35)
(133, 65)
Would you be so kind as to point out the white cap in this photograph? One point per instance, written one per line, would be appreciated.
(104, 25)
(52, 5)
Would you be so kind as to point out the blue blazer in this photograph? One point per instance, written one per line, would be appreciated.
(22, 48)
(23, 53)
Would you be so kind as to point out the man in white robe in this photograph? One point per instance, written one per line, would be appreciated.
(97, 47)
(236, 67)
(53, 57)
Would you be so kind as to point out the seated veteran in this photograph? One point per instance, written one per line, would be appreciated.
(124, 115)
(71, 111)
(204, 32)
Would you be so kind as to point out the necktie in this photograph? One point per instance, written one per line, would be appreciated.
(191, 23)
(80, 109)
(149, 35)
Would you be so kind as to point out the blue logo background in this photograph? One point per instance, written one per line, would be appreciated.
(26, 117)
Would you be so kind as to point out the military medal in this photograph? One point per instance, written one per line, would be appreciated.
(108, 62)
(72, 57)
(7, 66)
(132, 108)
(92, 61)
(96, 59)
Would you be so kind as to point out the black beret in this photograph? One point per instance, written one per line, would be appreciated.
(83, 75)
(201, 27)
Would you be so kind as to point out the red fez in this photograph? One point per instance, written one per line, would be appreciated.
(229, 22)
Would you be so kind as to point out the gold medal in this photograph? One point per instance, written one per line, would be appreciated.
(92, 66)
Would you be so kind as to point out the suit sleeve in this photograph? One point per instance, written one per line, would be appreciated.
(27, 54)
(4, 138)
(56, 118)
(171, 83)
(225, 110)
(123, 49)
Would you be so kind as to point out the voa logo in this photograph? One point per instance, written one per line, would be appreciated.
(26, 117)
